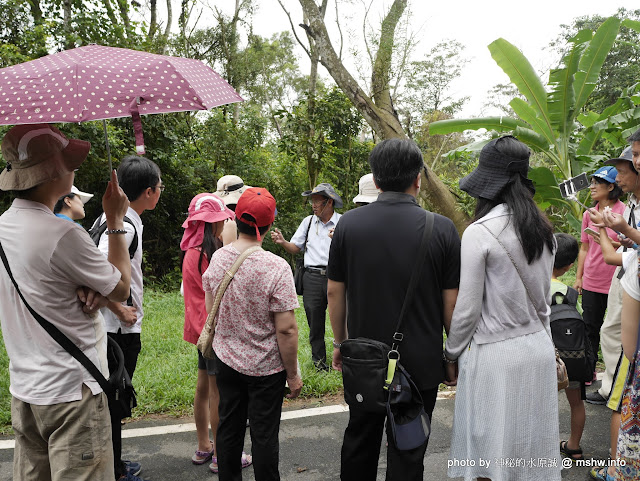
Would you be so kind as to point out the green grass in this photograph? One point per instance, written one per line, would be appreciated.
(165, 377)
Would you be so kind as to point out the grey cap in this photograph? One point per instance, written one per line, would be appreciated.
(326, 190)
(626, 154)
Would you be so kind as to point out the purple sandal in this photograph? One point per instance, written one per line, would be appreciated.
(201, 457)
(246, 462)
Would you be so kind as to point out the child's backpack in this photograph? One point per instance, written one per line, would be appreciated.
(569, 333)
(98, 229)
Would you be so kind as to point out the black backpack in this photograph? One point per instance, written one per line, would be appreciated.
(98, 229)
(569, 333)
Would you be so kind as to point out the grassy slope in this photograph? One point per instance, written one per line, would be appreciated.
(165, 378)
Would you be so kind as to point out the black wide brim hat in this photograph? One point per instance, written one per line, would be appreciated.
(494, 171)
(327, 191)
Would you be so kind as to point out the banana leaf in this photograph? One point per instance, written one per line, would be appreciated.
(501, 124)
(527, 113)
(562, 95)
(592, 59)
(522, 74)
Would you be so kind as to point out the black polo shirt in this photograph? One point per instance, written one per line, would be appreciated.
(373, 251)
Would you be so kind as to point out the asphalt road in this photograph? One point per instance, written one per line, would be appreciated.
(310, 446)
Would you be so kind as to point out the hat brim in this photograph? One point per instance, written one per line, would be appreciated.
(365, 198)
(337, 201)
(231, 198)
(210, 217)
(485, 183)
(84, 197)
(67, 160)
(619, 159)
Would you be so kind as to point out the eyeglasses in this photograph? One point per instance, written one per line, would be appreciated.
(161, 187)
(318, 202)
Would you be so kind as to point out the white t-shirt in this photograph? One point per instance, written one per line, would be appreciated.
(629, 281)
(50, 258)
(112, 322)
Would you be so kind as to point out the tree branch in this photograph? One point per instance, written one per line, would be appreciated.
(293, 29)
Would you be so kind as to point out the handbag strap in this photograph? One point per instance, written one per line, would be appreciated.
(415, 276)
(66, 343)
(226, 279)
(519, 275)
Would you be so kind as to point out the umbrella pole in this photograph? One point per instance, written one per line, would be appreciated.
(106, 141)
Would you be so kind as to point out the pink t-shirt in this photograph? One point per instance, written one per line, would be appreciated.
(195, 312)
(245, 337)
(597, 273)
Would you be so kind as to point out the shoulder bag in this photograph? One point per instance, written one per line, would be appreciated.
(205, 341)
(561, 368)
(299, 271)
(118, 388)
(375, 381)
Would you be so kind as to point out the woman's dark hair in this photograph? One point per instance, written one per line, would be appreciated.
(136, 174)
(247, 229)
(532, 227)
(614, 194)
(60, 203)
(209, 245)
(567, 251)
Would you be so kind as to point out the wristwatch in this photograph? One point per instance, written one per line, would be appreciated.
(336, 345)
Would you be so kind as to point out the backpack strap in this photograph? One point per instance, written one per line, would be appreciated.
(571, 296)
(98, 229)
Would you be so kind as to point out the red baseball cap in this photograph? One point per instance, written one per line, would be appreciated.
(259, 204)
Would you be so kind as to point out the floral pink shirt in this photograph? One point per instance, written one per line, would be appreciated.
(245, 338)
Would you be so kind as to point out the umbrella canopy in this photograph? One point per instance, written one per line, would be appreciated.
(96, 83)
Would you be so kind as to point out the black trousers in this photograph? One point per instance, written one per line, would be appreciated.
(594, 305)
(315, 306)
(130, 345)
(361, 447)
(258, 398)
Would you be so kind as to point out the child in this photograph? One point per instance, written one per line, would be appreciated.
(566, 255)
(203, 230)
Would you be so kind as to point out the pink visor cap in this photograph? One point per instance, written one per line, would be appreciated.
(207, 207)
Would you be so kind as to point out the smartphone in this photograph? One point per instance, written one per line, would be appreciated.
(592, 232)
(570, 187)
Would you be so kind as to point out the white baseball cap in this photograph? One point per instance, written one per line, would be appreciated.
(84, 197)
(367, 191)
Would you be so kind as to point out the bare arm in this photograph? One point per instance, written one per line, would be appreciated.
(115, 205)
(126, 314)
(582, 255)
(449, 297)
(337, 298)
(287, 336)
(208, 301)
(609, 254)
(278, 238)
(630, 317)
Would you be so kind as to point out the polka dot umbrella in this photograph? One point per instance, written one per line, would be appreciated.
(97, 83)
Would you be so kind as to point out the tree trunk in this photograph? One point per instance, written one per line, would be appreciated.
(66, 25)
(153, 22)
(382, 117)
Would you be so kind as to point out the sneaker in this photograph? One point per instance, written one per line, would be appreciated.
(133, 468)
(596, 398)
(131, 477)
